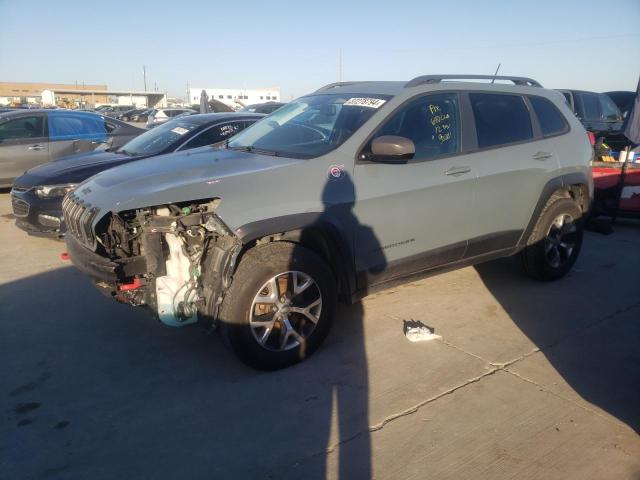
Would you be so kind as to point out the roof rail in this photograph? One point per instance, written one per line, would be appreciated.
(337, 84)
(421, 80)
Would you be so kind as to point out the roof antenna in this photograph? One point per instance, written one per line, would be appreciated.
(495, 74)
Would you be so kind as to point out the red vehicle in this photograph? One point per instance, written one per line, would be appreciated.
(617, 189)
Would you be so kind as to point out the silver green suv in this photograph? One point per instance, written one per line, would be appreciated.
(335, 195)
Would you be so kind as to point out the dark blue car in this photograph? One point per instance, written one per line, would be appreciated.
(37, 195)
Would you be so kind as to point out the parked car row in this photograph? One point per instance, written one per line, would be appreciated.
(158, 116)
(344, 191)
(37, 195)
(32, 137)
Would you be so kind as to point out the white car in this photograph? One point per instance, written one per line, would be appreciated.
(161, 115)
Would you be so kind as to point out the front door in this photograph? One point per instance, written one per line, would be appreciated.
(23, 144)
(414, 216)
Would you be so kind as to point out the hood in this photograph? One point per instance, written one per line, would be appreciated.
(72, 169)
(195, 174)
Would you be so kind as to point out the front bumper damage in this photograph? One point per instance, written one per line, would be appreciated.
(176, 261)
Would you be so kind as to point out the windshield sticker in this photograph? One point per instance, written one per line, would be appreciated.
(179, 130)
(365, 102)
(227, 130)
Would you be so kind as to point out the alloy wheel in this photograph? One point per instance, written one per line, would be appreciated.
(285, 311)
(560, 241)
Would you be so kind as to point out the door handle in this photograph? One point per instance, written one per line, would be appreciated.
(542, 155)
(37, 148)
(455, 171)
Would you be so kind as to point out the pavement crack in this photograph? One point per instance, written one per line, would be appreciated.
(562, 397)
(415, 408)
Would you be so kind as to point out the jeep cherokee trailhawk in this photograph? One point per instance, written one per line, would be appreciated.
(336, 194)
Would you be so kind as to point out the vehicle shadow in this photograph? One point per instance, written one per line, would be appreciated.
(594, 349)
(95, 389)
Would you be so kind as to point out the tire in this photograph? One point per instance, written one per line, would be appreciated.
(252, 317)
(555, 242)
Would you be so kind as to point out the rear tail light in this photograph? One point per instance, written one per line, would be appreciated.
(592, 138)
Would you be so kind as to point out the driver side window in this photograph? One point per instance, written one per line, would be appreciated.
(430, 122)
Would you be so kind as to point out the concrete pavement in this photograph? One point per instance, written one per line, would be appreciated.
(530, 380)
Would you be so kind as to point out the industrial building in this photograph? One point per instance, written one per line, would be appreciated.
(75, 96)
(236, 97)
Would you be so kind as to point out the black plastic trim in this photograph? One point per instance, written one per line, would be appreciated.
(576, 178)
(302, 222)
(492, 243)
(94, 265)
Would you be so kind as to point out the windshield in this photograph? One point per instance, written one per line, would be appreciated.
(156, 140)
(310, 126)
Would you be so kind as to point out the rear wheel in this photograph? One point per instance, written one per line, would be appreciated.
(556, 240)
(279, 307)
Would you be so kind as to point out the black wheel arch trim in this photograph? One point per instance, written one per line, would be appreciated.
(333, 241)
(552, 186)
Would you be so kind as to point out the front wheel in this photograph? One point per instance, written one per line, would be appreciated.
(555, 242)
(279, 307)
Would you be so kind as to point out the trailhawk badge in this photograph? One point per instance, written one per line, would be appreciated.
(336, 172)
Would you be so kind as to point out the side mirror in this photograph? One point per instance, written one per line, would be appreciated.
(392, 149)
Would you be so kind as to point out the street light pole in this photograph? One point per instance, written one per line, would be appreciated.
(144, 75)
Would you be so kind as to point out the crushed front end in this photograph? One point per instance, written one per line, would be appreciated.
(174, 259)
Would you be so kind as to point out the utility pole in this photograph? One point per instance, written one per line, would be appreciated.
(144, 75)
(340, 66)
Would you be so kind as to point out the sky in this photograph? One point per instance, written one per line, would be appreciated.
(295, 45)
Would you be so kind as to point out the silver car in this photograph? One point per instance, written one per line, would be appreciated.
(347, 190)
(32, 137)
(161, 115)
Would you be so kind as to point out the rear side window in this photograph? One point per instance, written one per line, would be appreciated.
(551, 121)
(430, 122)
(74, 127)
(23, 127)
(215, 134)
(610, 111)
(591, 109)
(500, 119)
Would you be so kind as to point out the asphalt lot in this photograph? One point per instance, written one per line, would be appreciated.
(529, 381)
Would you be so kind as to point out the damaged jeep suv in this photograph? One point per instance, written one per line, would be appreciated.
(337, 194)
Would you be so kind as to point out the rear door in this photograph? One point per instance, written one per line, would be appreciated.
(513, 162)
(23, 144)
(414, 216)
(71, 133)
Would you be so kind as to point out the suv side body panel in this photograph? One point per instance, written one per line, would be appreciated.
(395, 203)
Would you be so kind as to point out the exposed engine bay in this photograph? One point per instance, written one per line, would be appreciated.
(161, 253)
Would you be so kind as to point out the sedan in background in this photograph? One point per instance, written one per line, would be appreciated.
(129, 114)
(599, 115)
(32, 137)
(624, 100)
(266, 108)
(162, 115)
(37, 195)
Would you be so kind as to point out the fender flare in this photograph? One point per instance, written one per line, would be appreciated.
(293, 228)
(552, 186)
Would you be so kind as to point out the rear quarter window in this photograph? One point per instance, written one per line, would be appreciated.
(590, 106)
(500, 119)
(551, 121)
